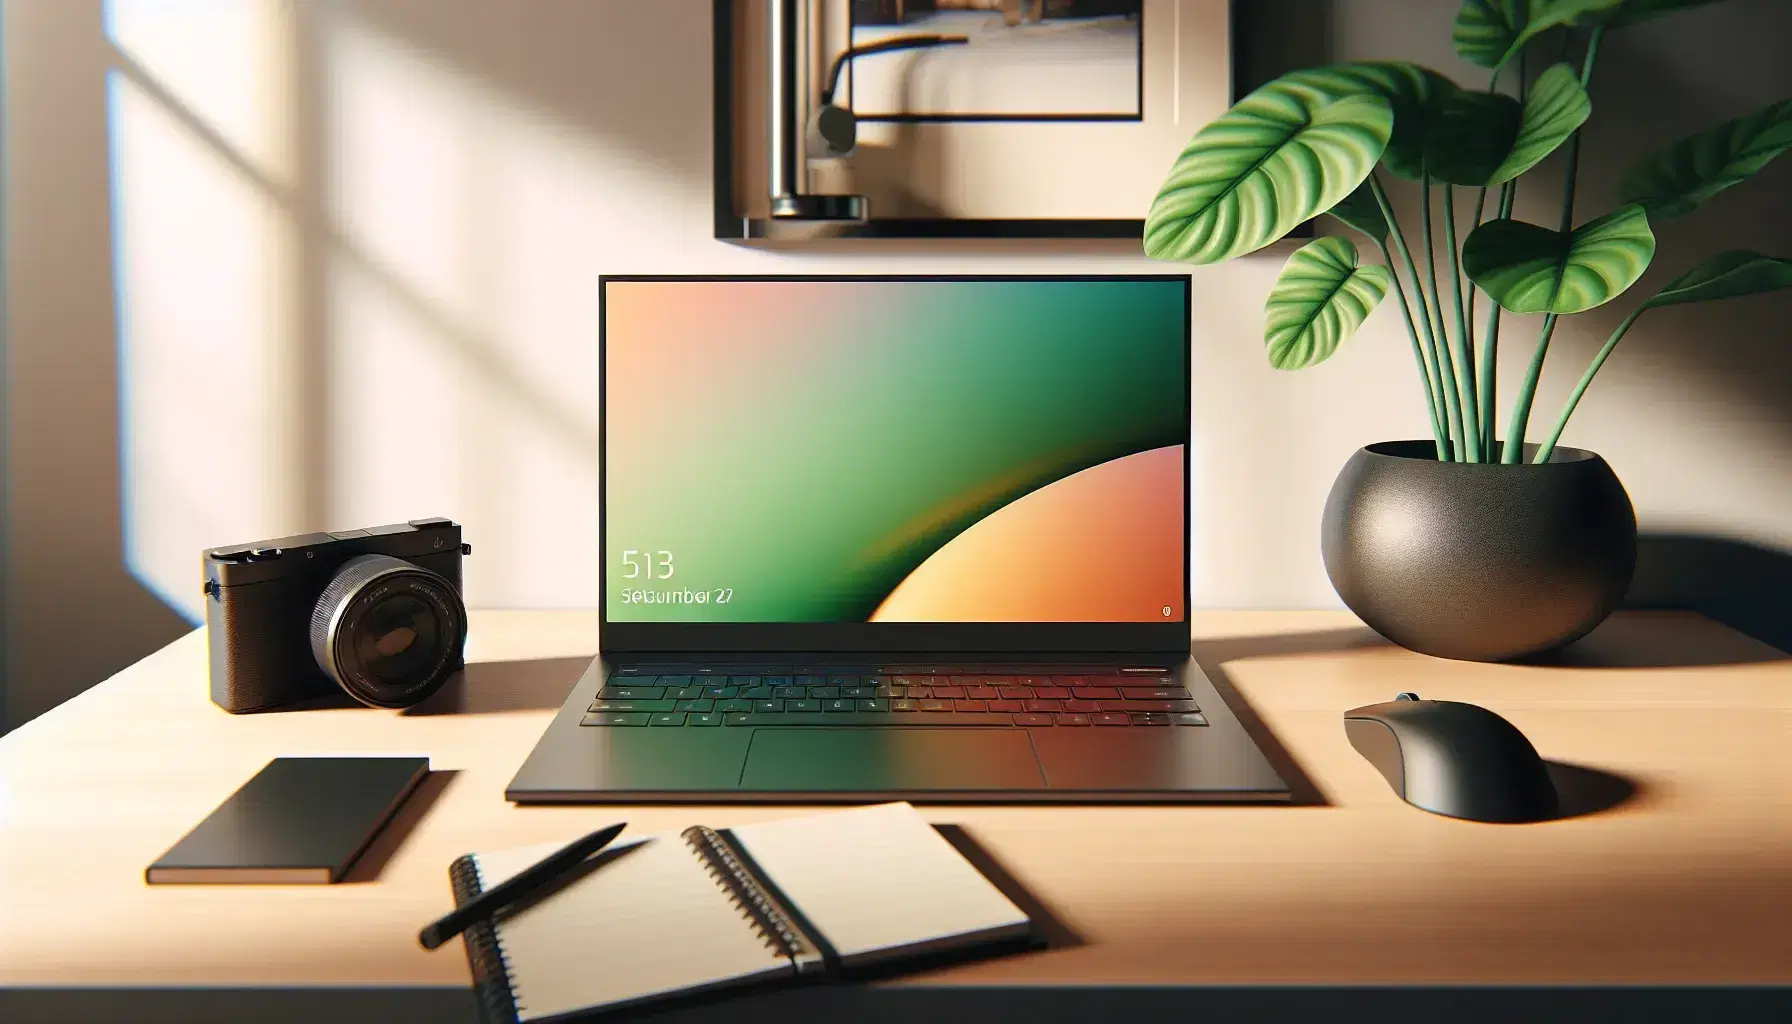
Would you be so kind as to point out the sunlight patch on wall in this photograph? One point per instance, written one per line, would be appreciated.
(464, 310)
(203, 263)
(392, 409)
(226, 61)
(453, 359)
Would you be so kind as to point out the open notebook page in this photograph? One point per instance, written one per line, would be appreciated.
(878, 882)
(649, 922)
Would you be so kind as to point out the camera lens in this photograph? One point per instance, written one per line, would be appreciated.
(388, 631)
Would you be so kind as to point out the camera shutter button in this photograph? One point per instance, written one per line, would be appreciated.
(264, 554)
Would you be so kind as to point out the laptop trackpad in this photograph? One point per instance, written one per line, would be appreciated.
(867, 760)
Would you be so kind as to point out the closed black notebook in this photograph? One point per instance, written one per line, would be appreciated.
(299, 820)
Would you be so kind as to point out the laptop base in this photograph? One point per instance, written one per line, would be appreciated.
(825, 763)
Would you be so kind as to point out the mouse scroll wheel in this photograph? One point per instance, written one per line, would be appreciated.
(1407, 696)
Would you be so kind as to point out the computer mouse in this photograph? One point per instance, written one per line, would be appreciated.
(1454, 759)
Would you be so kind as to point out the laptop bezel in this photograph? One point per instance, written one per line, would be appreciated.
(622, 639)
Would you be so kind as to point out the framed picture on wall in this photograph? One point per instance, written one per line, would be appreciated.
(975, 118)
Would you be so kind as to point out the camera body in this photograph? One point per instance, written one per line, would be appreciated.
(261, 599)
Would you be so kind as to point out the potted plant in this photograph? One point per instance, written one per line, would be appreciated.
(1475, 543)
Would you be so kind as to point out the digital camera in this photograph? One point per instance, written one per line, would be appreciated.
(375, 612)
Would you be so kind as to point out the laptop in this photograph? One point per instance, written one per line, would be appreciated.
(895, 537)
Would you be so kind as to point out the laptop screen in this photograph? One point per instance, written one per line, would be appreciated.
(895, 450)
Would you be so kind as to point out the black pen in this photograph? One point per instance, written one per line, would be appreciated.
(544, 872)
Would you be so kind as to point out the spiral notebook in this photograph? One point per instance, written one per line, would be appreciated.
(682, 912)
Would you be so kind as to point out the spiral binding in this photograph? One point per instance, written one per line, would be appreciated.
(485, 951)
(744, 890)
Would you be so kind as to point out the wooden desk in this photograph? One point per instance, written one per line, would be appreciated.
(1689, 881)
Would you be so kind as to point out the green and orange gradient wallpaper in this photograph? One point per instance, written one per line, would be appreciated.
(895, 450)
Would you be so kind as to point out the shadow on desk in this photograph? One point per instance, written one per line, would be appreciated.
(372, 861)
(482, 688)
(1744, 585)
(1050, 930)
(1658, 639)
(1212, 656)
(493, 687)
(1581, 790)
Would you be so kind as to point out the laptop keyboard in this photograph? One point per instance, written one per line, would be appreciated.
(1001, 701)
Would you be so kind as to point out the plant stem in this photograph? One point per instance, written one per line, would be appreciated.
(1586, 64)
(1586, 78)
(1514, 449)
(1427, 379)
(1465, 353)
(1513, 452)
(1493, 82)
(1428, 365)
(1453, 399)
(1490, 344)
(1480, 210)
(1480, 207)
(1549, 443)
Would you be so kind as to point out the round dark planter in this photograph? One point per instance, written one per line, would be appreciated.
(1481, 562)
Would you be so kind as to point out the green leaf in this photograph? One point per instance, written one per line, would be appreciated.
(1491, 32)
(1531, 269)
(1279, 157)
(1633, 12)
(1412, 91)
(1472, 136)
(1360, 211)
(1726, 276)
(1554, 110)
(1677, 179)
(1319, 300)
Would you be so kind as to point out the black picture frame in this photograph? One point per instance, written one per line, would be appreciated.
(1264, 33)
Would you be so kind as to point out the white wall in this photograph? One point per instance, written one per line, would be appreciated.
(356, 254)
